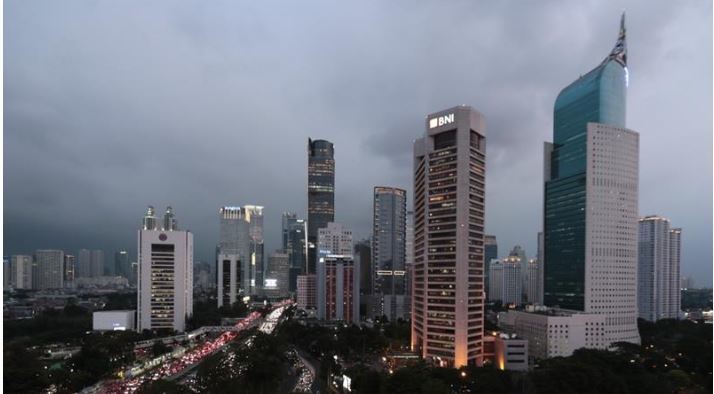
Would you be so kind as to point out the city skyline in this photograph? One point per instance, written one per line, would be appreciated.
(372, 136)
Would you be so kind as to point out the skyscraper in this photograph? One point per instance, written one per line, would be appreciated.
(96, 267)
(70, 267)
(590, 210)
(240, 252)
(49, 269)
(122, 267)
(389, 251)
(506, 283)
(277, 275)
(21, 272)
(335, 262)
(490, 247)
(165, 288)
(84, 264)
(338, 288)
(409, 259)
(534, 289)
(658, 287)
(320, 193)
(334, 239)
(449, 184)
(295, 244)
(288, 219)
(363, 257)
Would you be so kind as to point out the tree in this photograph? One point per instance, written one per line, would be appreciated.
(163, 387)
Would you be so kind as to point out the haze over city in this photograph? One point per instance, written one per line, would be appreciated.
(108, 110)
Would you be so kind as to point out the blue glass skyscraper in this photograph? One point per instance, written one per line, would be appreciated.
(591, 202)
(597, 97)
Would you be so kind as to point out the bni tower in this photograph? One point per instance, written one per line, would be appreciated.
(448, 268)
(590, 211)
(320, 193)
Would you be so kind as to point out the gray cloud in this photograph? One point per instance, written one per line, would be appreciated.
(113, 106)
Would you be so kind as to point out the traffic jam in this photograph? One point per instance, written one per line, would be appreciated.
(193, 356)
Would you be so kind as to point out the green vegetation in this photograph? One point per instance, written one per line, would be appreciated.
(68, 325)
(207, 313)
(697, 299)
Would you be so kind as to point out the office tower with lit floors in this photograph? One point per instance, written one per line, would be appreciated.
(165, 286)
(449, 209)
(591, 208)
(389, 251)
(320, 194)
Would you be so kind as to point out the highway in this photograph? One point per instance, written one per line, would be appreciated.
(175, 367)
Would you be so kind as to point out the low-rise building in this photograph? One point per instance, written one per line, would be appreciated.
(506, 352)
(555, 332)
(113, 320)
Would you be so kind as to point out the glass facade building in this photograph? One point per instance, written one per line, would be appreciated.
(596, 97)
(389, 251)
(320, 193)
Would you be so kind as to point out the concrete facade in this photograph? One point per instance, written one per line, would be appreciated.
(658, 288)
(389, 251)
(48, 269)
(338, 289)
(448, 283)
(556, 333)
(165, 287)
(21, 272)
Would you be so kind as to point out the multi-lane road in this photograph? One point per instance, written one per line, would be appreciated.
(194, 356)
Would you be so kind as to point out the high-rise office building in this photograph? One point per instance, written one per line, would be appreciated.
(334, 239)
(165, 288)
(363, 257)
(590, 210)
(307, 291)
(49, 269)
(84, 264)
(338, 288)
(288, 219)
(389, 251)
(409, 259)
(490, 246)
(96, 266)
(253, 214)
(506, 284)
(122, 266)
(534, 287)
(277, 277)
(658, 287)
(231, 247)
(70, 267)
(21, 272)
(295, 244)
(239, 253)
(449, 205)
(320, 193)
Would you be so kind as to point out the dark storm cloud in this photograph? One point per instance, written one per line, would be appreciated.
(112, 106)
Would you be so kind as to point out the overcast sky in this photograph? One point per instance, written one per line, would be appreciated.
(111, 106)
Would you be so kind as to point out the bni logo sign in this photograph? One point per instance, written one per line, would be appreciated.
(441, 120)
